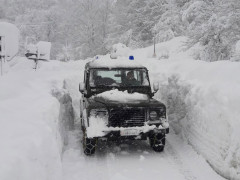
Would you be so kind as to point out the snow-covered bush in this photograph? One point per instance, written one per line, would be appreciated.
(173, 94)
(236, 54)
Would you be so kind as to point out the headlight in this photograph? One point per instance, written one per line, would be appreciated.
(157, 114)
(99, 113)
(165, 122)
(153, 115)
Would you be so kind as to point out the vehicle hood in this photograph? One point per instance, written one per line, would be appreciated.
(116, 98)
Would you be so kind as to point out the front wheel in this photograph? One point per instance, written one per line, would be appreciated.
(89, 145)
(157, 142)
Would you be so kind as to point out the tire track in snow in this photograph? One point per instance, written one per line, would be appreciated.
(76, 165)
(114, 161)
(190, 164)
(176, 159)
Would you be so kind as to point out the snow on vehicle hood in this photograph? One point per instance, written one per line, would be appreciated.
(116, 96)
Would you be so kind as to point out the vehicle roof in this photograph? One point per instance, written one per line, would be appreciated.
(113, 63)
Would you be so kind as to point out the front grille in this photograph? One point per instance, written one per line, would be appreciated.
(127, 117)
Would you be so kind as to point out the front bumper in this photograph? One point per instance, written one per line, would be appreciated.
(112, 133)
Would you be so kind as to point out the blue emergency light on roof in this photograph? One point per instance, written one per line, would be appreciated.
(97, 57)
(131, 58)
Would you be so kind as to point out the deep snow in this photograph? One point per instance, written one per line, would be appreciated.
(203, 102)
(31, 143)
(202, 99)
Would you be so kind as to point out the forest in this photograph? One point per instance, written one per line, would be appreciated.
(79, 29)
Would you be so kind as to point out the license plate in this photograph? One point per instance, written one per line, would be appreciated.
(129, 132)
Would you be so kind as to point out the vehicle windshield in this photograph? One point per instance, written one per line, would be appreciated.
(118, 77)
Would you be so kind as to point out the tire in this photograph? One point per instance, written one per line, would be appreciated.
(157, 142)
(89, 145)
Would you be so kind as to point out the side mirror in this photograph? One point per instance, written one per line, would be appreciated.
(155, 87)
(82, 87)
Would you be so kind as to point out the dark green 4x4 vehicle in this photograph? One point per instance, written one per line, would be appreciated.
(117, 103)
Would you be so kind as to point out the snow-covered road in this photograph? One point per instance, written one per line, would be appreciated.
(134, 160)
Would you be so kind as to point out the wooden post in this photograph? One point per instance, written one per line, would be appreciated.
(2, 53)
(154, 47)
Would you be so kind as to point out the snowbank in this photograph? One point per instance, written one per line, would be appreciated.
(30, 120)
(203, 102)
(203, 107)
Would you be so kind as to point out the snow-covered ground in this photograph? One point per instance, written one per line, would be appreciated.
(30, 130)
(202, 99)
(203, 102)
(135, 160)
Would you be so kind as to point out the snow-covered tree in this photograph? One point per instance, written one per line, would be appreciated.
(215, 25)
(136, 19)
(84, 28)
(170, 23)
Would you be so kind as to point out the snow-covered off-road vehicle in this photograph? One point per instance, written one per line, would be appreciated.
(117, 103)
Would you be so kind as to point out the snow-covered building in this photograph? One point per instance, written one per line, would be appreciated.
(9, 40)
(40, 51)
(44, 50)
